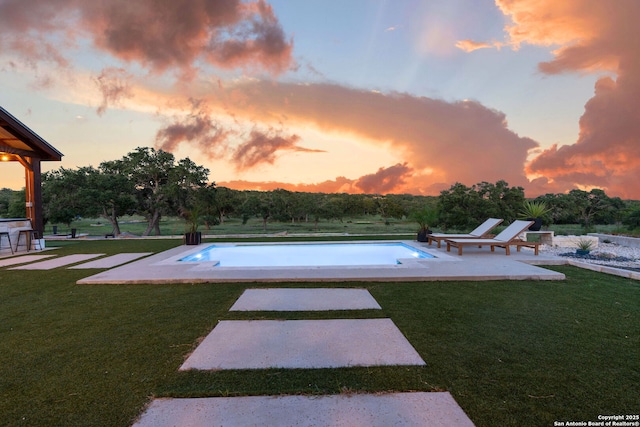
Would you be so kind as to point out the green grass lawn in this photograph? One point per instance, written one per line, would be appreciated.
(522, 353)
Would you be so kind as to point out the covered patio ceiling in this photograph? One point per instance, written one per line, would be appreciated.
(18, 143)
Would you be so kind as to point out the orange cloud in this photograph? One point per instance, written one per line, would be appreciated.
(470, 45)
(549, 22)
(607, 153)
(158, 35)
(589, 32)
(593, 35)
(383, 181)
(449, 142)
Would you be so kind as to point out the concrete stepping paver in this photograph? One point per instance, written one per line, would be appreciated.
(57, 262)
(371, 410)
(113, 260)
(288, 299)
(22, 259)
(260, 344)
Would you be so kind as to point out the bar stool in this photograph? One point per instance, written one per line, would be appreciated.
(8, 236)
(31, 237)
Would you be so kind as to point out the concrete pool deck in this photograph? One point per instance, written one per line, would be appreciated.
(476, 264)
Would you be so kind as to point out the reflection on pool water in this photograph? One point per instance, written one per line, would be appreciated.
(307, 255)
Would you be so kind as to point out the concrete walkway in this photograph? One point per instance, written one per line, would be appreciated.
(258, 344)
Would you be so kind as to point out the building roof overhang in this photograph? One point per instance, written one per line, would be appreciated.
(17, 141)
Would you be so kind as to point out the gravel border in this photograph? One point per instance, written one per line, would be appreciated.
(607, 254)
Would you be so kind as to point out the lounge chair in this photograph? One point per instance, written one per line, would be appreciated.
(479, 232)
(508, 237)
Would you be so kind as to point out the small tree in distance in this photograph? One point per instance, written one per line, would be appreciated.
(161, 185)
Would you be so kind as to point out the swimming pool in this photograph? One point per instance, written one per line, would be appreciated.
(306, 255)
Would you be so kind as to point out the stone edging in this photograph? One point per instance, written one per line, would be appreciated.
(632, 242)
(629, 274)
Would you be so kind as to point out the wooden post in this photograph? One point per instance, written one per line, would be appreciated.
(33, 192)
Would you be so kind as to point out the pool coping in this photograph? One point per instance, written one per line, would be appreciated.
(476, 264)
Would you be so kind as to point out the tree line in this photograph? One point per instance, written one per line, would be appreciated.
(154, 184)
(463, 207)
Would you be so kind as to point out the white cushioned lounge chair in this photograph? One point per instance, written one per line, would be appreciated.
(508, 237)
(481, 231)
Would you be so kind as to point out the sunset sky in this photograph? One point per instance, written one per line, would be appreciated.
(374, 96)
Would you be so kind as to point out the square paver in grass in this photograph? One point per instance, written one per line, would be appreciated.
(333, 343)
(112, 261)
(372, 410)
(305, 300)
(22, 259)
(57, 262)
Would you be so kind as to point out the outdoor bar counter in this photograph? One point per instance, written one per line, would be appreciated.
(13, 227)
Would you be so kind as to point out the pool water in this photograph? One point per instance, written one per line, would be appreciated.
(307, 255)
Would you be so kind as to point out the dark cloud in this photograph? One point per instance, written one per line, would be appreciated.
(264, 148)
(260, 39)
(198, 129)
(159, 35)
(385, 180)
(113, 85)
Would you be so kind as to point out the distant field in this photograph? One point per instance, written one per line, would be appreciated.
(172, 226)
(176, 226)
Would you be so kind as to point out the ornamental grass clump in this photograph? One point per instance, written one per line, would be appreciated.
(533, 209)
(584, 245)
